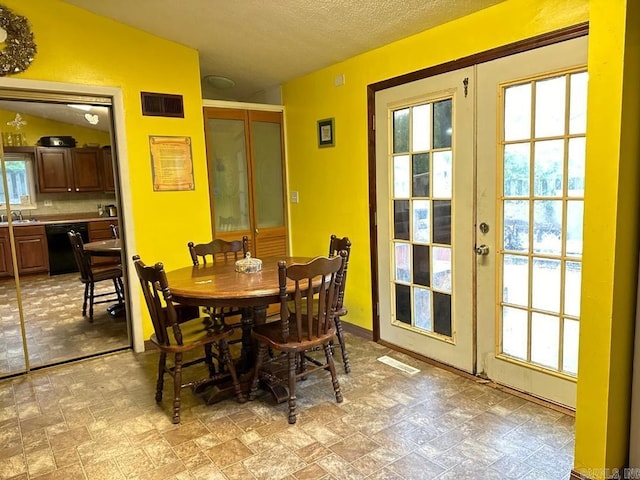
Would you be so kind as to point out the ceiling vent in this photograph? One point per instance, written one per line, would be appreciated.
(162, 104)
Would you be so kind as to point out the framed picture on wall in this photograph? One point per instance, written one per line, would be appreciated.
(326, 133)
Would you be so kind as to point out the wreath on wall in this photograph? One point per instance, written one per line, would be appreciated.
(20, 49)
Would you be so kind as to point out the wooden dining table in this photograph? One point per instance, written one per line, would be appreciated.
(219, 285)
(104, 248)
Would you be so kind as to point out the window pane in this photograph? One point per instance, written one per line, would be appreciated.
(421, 230)
(516, 225)
(442, 313)
(572, 284)
(570, 346)
(515, 283)
(550, 105)
(575, 174)
(517, 112)
(402, 259)
(442, 178)
(575, 210)
(546, 285)
(442, 126)
(401, 219)
(268, 174)
(545, 339)
(422, 308)
(547, 226)
(516, 170)
(442, 222)
(421, 175)
(422, 127)
(421, 265)
(403, 303)
(578, 103)
(548, 168)
(230, 176)
(514, 332)
(401, 130)
(442, 269)
(401, 176)
(18, 182)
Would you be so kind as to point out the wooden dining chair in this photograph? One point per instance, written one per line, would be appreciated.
(336, 245)
(303, 328)
(177, 338)
(217, 251)
(91, 274)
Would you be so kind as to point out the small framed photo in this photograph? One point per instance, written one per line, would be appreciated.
(326, 133)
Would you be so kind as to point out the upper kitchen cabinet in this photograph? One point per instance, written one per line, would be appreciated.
(107, 170)
(62, 169)
(247, 178)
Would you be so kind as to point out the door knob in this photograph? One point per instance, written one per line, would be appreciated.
(482, 250)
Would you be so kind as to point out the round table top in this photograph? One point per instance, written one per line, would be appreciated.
(221, 285)
(109, 247)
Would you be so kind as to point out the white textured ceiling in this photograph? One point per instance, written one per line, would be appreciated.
(261, 44)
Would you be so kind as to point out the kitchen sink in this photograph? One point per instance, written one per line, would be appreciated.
(26, 220)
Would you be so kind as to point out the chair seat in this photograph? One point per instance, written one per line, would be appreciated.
(195, 334)
(106, 273)
(271, 333)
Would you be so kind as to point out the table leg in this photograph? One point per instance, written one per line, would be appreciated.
(250, 317)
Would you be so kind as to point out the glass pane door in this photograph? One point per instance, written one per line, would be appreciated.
(425, 214)
(229, 169)
(531, 154)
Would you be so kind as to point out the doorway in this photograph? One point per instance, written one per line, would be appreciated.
(41, 318)
(479, 200)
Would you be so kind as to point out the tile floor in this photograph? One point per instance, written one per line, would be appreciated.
(55, 328)
(97, 419)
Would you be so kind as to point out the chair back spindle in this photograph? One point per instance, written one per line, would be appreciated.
(310, 320)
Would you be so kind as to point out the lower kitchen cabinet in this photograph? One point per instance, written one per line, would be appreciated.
(31, 250)
(6, 264)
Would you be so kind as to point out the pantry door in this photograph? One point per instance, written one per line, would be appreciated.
(425, 214)
(531, 135)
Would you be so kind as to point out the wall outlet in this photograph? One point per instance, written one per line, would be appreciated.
(294, 197)
(338, 80)
(48, 203)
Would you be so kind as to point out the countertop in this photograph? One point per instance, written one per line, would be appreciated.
(51, 220)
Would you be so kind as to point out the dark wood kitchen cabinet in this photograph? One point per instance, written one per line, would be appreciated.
(107, 170)
(6, 263)
(31, 249)
(62, 169)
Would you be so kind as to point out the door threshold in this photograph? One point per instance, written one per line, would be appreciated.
(485, 381)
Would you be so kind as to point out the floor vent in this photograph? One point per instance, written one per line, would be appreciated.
(162, 104)
(392, 362)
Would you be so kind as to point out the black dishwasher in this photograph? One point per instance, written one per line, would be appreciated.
(61, 259)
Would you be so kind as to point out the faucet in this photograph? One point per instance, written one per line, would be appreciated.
(17, 215)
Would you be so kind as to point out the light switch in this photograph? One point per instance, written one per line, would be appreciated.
(294, 197)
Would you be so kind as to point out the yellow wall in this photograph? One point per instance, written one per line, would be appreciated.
(76, 46)
(37, 127)
(610, 236)
(313, 97)
(611, 224)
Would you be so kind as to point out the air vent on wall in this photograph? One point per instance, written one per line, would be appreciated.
(162, 104)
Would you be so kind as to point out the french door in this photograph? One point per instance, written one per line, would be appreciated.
(480, 177)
